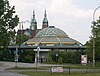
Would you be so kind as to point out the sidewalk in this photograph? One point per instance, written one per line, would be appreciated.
(5, 65)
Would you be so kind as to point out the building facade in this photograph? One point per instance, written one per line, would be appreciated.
(47, 36)
(33, 30)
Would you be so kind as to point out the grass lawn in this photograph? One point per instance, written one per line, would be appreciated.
(30, 73)
(61, 74)
(78, 66)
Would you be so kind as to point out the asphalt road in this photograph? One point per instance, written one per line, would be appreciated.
(5, 65)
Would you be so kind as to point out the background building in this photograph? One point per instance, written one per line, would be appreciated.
(51, 36)
(33, 30)
(47, 36)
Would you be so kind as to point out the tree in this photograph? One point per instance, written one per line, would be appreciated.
(60, 60)
(89, 49)
(49, 59)
(66, 56)
(89, 44)
(26, 55)
(21, 38)
(8, 21)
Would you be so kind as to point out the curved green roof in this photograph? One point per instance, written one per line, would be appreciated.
(52, 36)
(51, 31)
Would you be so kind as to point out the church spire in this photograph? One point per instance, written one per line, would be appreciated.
(45, 15)
(45, 21)
(34, 14)
(33, 22)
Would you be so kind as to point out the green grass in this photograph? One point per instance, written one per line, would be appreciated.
(61, 74)
(78, 66)
(27, 68)
(27, 72)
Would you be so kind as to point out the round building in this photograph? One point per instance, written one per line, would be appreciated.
(51, 36)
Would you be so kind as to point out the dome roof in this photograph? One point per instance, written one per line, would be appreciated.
(51, 31)
(52, 36)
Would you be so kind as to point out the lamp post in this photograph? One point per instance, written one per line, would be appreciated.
(16, 57)
(94, 35)
(37, 56)
(19, 42)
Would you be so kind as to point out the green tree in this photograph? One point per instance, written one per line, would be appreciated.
(60, 60)
(89, 44)
(66, 56)
(49, 59)
(21, 38)
(8, 21)
(89, 49)
(52, 54)
(26, 55)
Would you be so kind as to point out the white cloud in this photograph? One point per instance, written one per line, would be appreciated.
(64, 14)
(60, 5)
(67, 8)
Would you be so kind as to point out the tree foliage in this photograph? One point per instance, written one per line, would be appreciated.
(26, 56)
(21, 38)
(69, 56)
(60, 60)
(96, 36)
(8, 21)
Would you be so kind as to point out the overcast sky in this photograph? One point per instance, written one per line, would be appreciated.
(72, 16)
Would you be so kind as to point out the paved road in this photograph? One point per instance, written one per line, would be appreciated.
(5, 65)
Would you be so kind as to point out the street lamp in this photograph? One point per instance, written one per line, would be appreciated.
(16, 56)
(37, 57)
(94, 36)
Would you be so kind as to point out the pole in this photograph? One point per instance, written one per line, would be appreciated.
(16, 57)
(38, 50)
(57, 56)
(94, 36)
(37, 57)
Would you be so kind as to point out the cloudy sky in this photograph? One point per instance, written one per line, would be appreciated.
(72, 16)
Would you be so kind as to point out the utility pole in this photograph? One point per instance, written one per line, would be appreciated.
(94, 35)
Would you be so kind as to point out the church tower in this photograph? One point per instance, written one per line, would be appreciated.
(33, 26)
(45, 21)
(33, 23)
